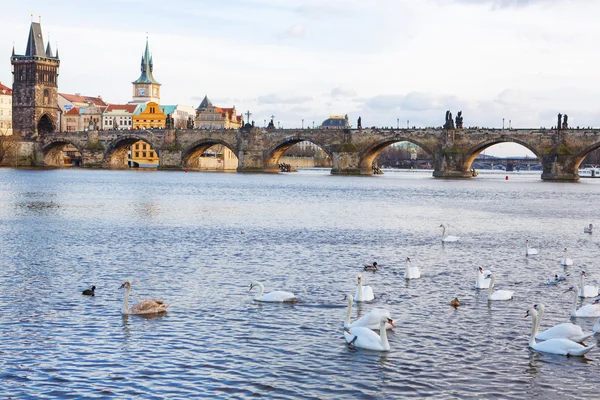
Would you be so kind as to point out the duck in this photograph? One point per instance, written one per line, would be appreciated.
(481, 282)
(448, 238)
(529, 251)
(411, 272)
(498, 294)
(371, 267)
(89, 292)
(454, 302)
(369, 320)
(559, 346)
(586, 290)
(587, 311)
(365, 338)
(276, 296)
(363, 293)
(565, 330)
(146, 306)
(557, 279)
(588, 229)
(566, 261)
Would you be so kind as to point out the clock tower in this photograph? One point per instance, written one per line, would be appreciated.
(146, 88)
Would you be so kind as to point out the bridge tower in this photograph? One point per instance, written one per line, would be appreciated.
(35, 87)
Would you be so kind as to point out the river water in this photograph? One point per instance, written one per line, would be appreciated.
(197, 240)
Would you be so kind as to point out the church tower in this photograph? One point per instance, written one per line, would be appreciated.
(35, 87)
(146, 88)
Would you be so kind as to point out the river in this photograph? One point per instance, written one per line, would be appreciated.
(197, 240)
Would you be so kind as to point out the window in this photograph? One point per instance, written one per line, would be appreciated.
(137, 146)
(144, 146)
(144, 154)
(137, 154)
(151, 154)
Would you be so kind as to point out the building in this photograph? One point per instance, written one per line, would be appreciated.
(66, 102)
(211, 117)
(336, 122)
(5, 110)
(79, 119)
(35, 87)
(119, 116)
(146, 88)
(142, 155)
(180, 114)
(149, 116)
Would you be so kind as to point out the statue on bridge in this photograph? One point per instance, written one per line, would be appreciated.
(169, 122)
(559, 125)
(565, 124)
(449, 121)
(271, 124)
(459, 120)
(190, 123)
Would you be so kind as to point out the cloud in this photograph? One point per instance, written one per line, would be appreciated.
(295, 31)
(342, 92)
(413, 101)
(275, 98)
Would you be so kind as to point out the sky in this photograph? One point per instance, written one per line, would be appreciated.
(391, 62)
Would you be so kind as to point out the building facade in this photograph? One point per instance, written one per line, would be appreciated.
(35, 87)
(119, 116)
(149, 116)
(142, 155)
(86, 105)
(5, 110)
(211, 117)
(181, 115)
(146, 88)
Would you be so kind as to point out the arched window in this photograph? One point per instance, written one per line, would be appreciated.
(46, 97)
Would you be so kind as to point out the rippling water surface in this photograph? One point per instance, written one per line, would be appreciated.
(179, 237)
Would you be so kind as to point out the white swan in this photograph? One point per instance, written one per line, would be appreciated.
(481, 282)
(363, 293)
(586, 291)
(563, 347)
(498, 294)
(276, 296)
(566, 260)
(411, 272)
(370, 320)
(365, 338)
(565, 330)
(146, 306)
(588, 229)
(529, 251)
(587, 311)
(445, 237)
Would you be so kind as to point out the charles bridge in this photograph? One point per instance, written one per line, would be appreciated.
(352, 150)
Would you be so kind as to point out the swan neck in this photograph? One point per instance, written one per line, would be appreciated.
(581, 282)
(261, 289)
(540, 316)
(126, 301)
(383, 335)
(491, 288)
(349, 313)
(408, 269)
(443, 231)
(575, 298)
(534, 329)
(360, 291)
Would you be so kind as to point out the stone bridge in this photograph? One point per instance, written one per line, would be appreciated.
(352, 151)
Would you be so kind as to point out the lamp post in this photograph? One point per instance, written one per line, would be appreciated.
(278, 125)
(502, 123)
(265, 125)
(407, 123)
(302, 123)
(397, 123)
(313, 124)
(510, 124)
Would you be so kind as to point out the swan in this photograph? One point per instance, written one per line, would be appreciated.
(365, 338)
(146, 306)
(596, 327)
(587, 311)
(563, 347)
(369, 320)
(277, 296)
(588, 229)
(480, 281)
(411, 272)
(498, 294)
(586, 291)
(89, 292)
(371, 267)
(447, 238)
(565, 330)
(529, 251)
(566, 260)
(363, 293)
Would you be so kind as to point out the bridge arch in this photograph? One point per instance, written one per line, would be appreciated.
(191, 157)
(578, 159)
(474, 151)
(62, 152)
(275, 152)
(369, 154)
(116, 155)
(46, 125)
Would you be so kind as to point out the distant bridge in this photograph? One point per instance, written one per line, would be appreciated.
(352, 151)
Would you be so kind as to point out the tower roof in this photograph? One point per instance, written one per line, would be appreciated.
(204, 104)
(35, 43)
(147, 67)
(48, 50)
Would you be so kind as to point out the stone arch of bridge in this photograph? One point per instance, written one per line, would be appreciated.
(46, 125)
(117, 151)
(53, 151)
(190, 156)
(474, 151)
(579, 157)
(273, 154)
(368, 156)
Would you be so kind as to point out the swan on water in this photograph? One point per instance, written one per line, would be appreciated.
(365, 338)
(565, 330)
(529, 251)
(481, 282)
(276, 296)
(411, 272)
(371, 267)
(146, 306)
(566, 260)
(588, 229)
(586, 290)
(498, 294)
(363, 293)
(445, 237)
(587, 311)
(563, 347)
(89, 292)
(370, 320)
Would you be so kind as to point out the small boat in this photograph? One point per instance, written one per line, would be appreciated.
(589, 173)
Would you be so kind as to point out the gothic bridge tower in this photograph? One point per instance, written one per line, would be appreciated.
(35, 87)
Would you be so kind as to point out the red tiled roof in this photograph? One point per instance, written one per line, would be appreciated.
(5, 89)
(130, 108)
(73, 111)
(74, 98)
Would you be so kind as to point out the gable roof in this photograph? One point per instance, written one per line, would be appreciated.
(76, 98)
(5, 89)
(204, 104)
(130, 108)
(35, 42)
(73, 111)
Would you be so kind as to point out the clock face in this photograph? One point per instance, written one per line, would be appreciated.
(142, 92)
